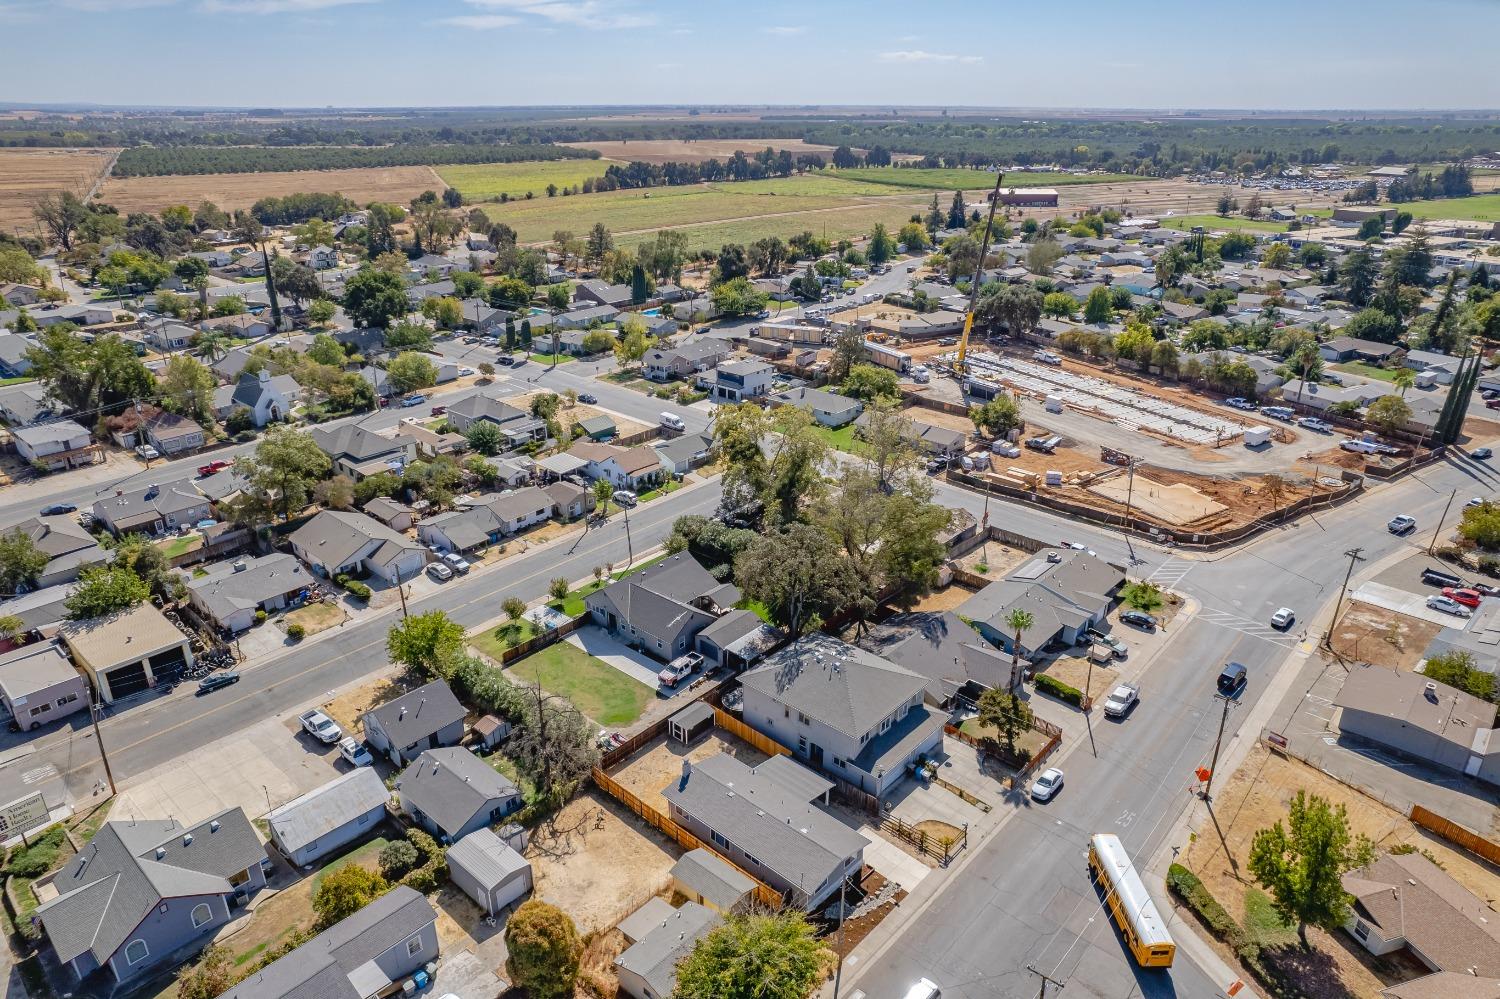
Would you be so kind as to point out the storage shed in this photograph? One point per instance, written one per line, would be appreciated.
(488, 870)
(491, 731)
(691, 722)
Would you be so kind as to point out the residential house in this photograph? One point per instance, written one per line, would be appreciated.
(477, 406)
(56, 445)
(478, 241)
(337, 542)
(24, 404)
(13, 362)
(569, 500)
(583, 318)
(428, 717)
(358, 452)
(1420, 719)
(431, 268)
(514, 471)
(172, 434)
(681, 455)
(167, 335)
(360, 957)
(659, 940)
(268, 397)
(1306, 296)
(602, 293)
(636, 467)
(1065, 591)
(740, 381)
(378, 380)
(939, 645)
(488, 870)
(828, 409)
(20, 294)
(452, 792)
(1267, 376)
(486, 522)
(661, 609)
(245, 325)
(431, 444)
(736, 640)
(141, 890)
(231, 594)
(932, 324)
(938, 442)
(1348, 348)
(68, 547)
(843, 709)
(1439, 368)
(231, 365)
(704, 877)
(153, 509)
(392, 513)
(766, 821)
(43, 611)
(78, 315)
(126, 652)
(39, 684)
(329, 816)
(1407, 902)
(1182, 312)
(322, 258)
(657, 326)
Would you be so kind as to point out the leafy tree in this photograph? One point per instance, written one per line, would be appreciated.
(797, 573)
(375, 298)
(326, 350)
(20, 560)
(869, 383)
(1165, 358)
(1302, 864)
(756, 956)
(104, 590)
(187, 388)
(1043, 255)
(321, 312)
(88, 377)
(1098, 307)
(1142, 596)
(1277, 256)
(60, 215)
(422, 642)
(881, 247)
(336, 493)
(1135, 343)
(602, 492)
(1390, 413)
(1459, 669)
(1357, 273)
(910, 552)
(559, 295)
(396, 858)
(514, 607)
(544, 950)
(445, 311)
(1007, 714)
(346, 891)
(467, 284)
(1060, 305)
(1373, 324)
(229, 305)
(410, 371)
(1481, 526)
(913, 237)
(284, 468)
(599, 243)
(484, 437)
(999, 416)
(210, 977)
(738, 297)
(633, 342)
(558, 587)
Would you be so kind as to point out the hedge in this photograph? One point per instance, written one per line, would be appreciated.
(1059, 690)
(1195, 895)
(358, 589)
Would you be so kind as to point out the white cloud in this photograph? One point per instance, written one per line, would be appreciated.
(784, 29)
(681, 31)
(919, 55)
(594, 14)
(105, 6)
(480, 22)
(273, 6)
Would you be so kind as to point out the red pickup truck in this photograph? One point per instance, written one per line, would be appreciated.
(213, 466)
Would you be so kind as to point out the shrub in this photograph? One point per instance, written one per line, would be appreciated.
(37, 859)
(1186, 885)
(397, 857)
(260, 617)
(1059, 690)
(544, 949)
(345, 892)
(296, 632)
(358, 589)
(1489, 565)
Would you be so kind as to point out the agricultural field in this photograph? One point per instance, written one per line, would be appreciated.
(694, 150)
(1213, 222)
(1479, 208)
(27, 175)
(971, 180)
(487, 181)
(241, 190)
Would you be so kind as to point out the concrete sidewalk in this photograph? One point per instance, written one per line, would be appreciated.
(603, 646)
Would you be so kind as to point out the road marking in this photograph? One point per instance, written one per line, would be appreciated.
(1171, 572)
(1248, 627)
(38, 774)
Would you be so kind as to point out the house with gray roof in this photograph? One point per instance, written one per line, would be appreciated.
(230, 593)
(766, 821)
(68, 547)
(41, 610)
(392, 513)
(428, 717)
(362, 956)
(1065, 591)
(143, 889)
(844, 710)
(598, 428)
(1420, 719)
(13, 362)
(57, 444)
(153, 509)
(827, 408)
(647, 969)
(477, 406)
(39, 684)
(452, 792)
(358, 452)
(663, 364)
(939, 645)
(268, 397)
(938, 442)
(736, 640)
(704, 877)
(569, 500)
(684, 453)
(488, 521)
(329, 816)
(338, 541)
(583, 318)
(661, 609)
(602, 293)
(26, 403)
(1407, 902)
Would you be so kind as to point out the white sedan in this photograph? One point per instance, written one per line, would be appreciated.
(1045, 787)
(1448, 606)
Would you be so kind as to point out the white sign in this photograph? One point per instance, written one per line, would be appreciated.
(23, 815)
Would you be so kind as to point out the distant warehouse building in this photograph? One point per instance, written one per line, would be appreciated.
(1029, 197)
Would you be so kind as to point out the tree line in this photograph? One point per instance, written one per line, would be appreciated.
(144, 161)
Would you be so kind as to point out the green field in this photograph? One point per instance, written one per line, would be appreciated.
(1479, 208)
(971, 180)
(1212, 222)
(597, 689)
(1367, 370)
(487, 181)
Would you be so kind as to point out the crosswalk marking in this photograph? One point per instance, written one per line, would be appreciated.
(37, 774)
(1247, 626)
(1171, 572)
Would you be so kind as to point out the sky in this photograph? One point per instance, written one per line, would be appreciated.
(1160, 54)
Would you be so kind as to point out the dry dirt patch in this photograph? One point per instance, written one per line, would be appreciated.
(1375, 635)
(650, 771)
(1177, 504)
(347, 707)
(28, 175)
(241, 190)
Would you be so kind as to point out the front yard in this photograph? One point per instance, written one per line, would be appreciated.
(317, 617)
(842, 439)
(494, 642)
(599, 690)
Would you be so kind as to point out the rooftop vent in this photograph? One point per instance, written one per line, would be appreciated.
(161, 852)
(213, 826)
(187, 839)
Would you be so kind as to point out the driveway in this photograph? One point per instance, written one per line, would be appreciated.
(1404, 601)
(602, 645)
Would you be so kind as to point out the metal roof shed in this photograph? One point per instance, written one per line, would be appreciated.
(488, 870)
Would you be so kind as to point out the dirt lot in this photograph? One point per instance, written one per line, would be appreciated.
(693, 151)
(347, 707)
(318, 617)
(241, 190)
(28, 175)
(578, 413)
(648, 772)
(598, 862)
(1256, 796)
(1375, 635)
(998, 558)
(1178, 504)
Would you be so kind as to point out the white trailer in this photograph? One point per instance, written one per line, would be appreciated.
(1256, 436)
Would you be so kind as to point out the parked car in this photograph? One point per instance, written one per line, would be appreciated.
(1315, 424)
(1138, 618)
(1239, 402)
(1282, 619)
(217, 681)
(1448, 606)
(504, 360)
(439, 410)
(213, 468)
(413, 400)
(1492, 404)
(1401, 524)
(588, 398)
(1360, 447)
(1481, 454)
(1121, 700)
(1116, 647)
(320, 726)
(679, 669)
(148, 452)
(1475, 501)
(1045, 787)
(465, 371)
(355, 752)
(439, 571)
(58, 509)
(624, 497)
(1463, 595)
(457, 563)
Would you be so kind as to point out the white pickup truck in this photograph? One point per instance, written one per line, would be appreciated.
(320, 726)
(679, 669)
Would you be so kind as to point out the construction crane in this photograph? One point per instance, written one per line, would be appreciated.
(961, 368)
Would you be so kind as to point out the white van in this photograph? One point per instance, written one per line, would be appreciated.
(671, 421)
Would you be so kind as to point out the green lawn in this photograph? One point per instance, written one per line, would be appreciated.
(494, 641)
(547, 358)
(487, 181)
(842, 439)
(174, 547)
(365, 853)
(506, 767)
(651, 494)
(1368, 370)
(1261, 922)
(599, 690)
(572, 604)
(1212, 222)
(757, 608)
(1480, 207)
(971, 180)
(646, 564)
(14, 381)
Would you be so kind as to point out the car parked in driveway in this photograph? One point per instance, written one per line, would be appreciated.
(320, 726)
(217, 681)
(1139, 619)
(1116, 647)
(439, 571)
(679, 669)
(1463, 595)
(1448, 606)
(1121, 700)
(1045, 787)
(457, 563)
(354, 751)
(624, 497)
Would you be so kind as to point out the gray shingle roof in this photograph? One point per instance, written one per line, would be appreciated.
(465, 529)
(842, 686)
(224, 590)
(485, 407)
(657, 598)
(486, 857)
(56, 432)
(943, 648)
(324, 809)
(655, 956)
(521, 503)
(711, 877)
(333, 537)
(164, 500)
(1056, 594)
(418, 713)
(354, 442)
(451, 785)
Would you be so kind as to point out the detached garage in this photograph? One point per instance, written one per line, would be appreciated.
(127, 652)
(489, 871)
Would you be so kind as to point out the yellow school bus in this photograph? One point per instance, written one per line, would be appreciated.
(1145, 932)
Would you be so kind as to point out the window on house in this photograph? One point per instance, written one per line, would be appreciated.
(414, 946)
(752, 860)
(1361, 930)
(885, 726)
(803, 718)
(201, 914)
(62, 701)
(802, 744)
(136, 951)
(39, 709)
(718, 840)
(786, 712)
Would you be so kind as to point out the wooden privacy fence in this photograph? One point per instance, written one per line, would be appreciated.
(541, 641)
(939, 848)
(729, 723)
(764, 893)
(1456, 834)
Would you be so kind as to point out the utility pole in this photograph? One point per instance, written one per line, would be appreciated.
(838, 947)
(401, 589)
(629, 545)
(1353, 555)
(1130, 463)
(1046, 981)
(94, 717)
(1438, 533)
(1218, 740)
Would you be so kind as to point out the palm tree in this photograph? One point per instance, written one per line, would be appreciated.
(200, 285)
(1305, 361)
(211, 345)
(1403, 378)
(10, 627)
(1018, 621)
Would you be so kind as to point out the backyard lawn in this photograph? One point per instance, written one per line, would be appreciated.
(599, 690)
(173, 547)
(842, 439)
(757, 608)
(1367, 370)
(1212, 222)
(494, 641)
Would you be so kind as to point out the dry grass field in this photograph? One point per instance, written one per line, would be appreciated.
(27, 175)
(241, 190)
(694, 151)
